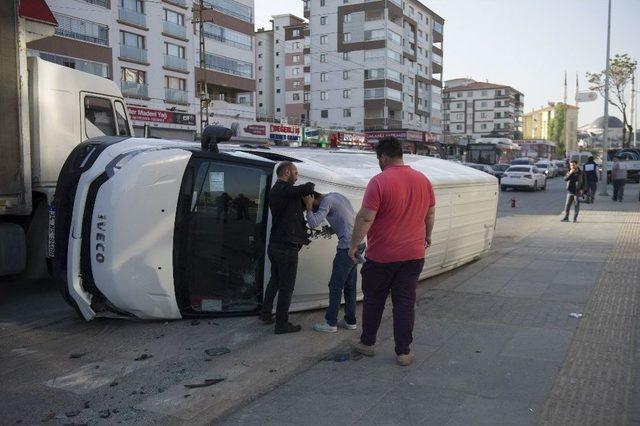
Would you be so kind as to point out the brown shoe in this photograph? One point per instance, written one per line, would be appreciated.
(405, 360)
(365, 350)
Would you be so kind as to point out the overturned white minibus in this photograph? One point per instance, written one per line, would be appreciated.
(158, 229)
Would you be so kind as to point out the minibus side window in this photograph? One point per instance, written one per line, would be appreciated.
(121, 119)
(98, 117)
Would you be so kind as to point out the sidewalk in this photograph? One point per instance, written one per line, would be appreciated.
(495, 343)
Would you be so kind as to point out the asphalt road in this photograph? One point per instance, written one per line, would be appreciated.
(57, 368)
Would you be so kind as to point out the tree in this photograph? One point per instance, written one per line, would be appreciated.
(622, 68)
(555, 130)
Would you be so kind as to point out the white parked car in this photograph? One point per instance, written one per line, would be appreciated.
(547, 168)
(523, 177)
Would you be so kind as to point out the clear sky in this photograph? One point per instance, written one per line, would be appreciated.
(527, 44)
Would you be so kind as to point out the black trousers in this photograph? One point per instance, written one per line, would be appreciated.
(284, 266)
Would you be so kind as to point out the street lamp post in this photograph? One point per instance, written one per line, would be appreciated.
(605, 133)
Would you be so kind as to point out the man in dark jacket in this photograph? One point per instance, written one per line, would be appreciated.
(590, 170)
(288, 235)
(575, 185)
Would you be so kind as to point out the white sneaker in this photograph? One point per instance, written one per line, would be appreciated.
(343, 324)
(325, 328)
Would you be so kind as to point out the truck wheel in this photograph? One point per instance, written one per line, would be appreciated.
(13, 249)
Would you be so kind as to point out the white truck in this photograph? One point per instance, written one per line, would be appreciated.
(50, 110)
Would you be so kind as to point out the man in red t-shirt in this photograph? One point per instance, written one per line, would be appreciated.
(397, 216)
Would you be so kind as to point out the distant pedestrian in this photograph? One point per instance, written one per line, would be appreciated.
(337, 210)
(397, 216)
(619, 179)
(288, 235)
(590, 170)
(575, 186)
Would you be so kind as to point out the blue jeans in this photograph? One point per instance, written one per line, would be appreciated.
(343, 279)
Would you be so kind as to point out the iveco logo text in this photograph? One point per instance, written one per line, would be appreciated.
(100, 238)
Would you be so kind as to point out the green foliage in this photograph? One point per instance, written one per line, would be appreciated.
(621, 70)
(556, 125)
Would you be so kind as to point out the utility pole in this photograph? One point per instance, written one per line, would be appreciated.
(202, 84)
(633, 108)
(605, 134)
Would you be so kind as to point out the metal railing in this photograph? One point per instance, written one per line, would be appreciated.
(133, 52)
(133, 89)
(175, 62)
(176, 95)
(132, 17)
(174, 29)
(178, 2)
(69, 26)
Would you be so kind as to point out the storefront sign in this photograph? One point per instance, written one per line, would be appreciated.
(241, 128)
(405, 135)
(284, 132)
(351, 138)
(256, 129)
(160, 116)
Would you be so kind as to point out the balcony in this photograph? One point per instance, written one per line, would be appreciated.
(81, 29)
(133, 17)
(437, 32)
(181, 3)
(176, 95)
(133, 53)
(134, 90)
(175, 62)
(174, 29)
(240, 106)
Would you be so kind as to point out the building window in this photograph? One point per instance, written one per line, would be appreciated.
(324, 76)
(323, 39)
(259, 43)
(345, 75)
(483, 126)
(277, 66)
(484, 93)
(345, 56)
(296, 33)
(346, 113)
(324, 113)
(277, 53)
(131, 39)
(296, 96)
(259, 92)
(377, 34)
(81, 29)
(323, 3)
(175, 83)
(323, 96)
(133, 76)
(259, 55)
(347, 18)
(469, 94)
(496, 126)
(174, 17)
(323, 20)
(296, 59)
(295, 71)
(483, 104)
(277, 90)
(498, 103)
(346, 93)
(296, 84)
(323, 57)
(346, 37)
(171, 49)
(458, 94)
(307, 96)
(458, 126)
(459, 105)
(277, 109)
(260, 104)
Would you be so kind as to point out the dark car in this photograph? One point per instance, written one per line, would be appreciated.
(499, 169)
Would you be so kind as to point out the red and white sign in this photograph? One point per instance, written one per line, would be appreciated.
(285, 132)
(351, 138)
(160, 116)
(405, 135)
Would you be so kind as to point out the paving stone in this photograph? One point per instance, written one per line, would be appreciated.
(480, 411)
(522, 288)
(539, 343)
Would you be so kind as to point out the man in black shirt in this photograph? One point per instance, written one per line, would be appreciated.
(590, 170)
(575, 186)
(288, 235)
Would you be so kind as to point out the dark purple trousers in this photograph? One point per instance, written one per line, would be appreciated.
(399, 278)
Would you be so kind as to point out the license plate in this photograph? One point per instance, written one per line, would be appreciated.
(51, 245)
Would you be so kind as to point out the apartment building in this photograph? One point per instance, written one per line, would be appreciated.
(474, 110)
(151, 49)
(375, 66)
(281, 70)
(536, 125)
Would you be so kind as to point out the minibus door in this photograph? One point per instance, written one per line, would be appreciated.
(220, 237)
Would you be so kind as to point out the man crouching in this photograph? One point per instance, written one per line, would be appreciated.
(337, 210)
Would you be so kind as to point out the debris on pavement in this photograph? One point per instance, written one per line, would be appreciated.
(72, 413)
(217, 351)
(207, 383)
(104, 414)
(77, 355)
(114, 383)
(143, 357)
(575, 315)
(87, 404)
(341, 357)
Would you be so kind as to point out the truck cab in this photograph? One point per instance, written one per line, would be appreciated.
(65, 107)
